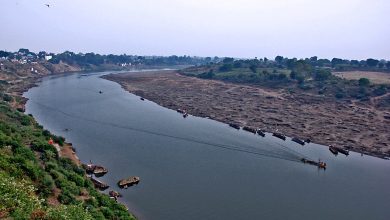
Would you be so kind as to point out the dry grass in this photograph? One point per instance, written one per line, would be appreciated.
(374, 77)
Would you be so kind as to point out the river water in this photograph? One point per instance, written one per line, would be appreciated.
(196, 168)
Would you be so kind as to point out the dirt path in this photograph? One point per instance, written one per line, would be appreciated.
(359, 128)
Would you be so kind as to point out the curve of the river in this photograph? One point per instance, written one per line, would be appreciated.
(196, 168)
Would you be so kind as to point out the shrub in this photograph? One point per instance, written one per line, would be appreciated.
(364, 82)
(70, 212)
(226, 68)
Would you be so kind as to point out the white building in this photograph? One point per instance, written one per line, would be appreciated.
(48, 57)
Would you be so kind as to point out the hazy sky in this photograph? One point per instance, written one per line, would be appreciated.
(240, 28)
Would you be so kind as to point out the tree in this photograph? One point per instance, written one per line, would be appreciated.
(322, 74)
(226, 67)
(355, 63)
(24, 51)
(336, 61)
(228, 60)
(279, 59)
(364, 82)
(237, 64)
(4, 53)
(372, 62)
(253, 68)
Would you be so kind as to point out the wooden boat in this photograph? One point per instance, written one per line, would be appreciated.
(124, 183)
(95, 169)
(185, 115)
(342, 151)
(98, 184)
(114, 194)
(333, 150)
(99, 171)
(261, 133)
(297, 140)
(142, 99)
(279, 135)
(319, 164)
(249, 129)
(236, 126)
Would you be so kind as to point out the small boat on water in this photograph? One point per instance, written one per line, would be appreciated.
(261, 133)
(342, 151)
(100, 92)
(142, 99)
(100, 171)
(95, 169)
(185, 115)
(297, 140)
(124, 183)
(319, 164)
(99, 184)
(279, 135)
(236, 126)
(333, 150)
(249, 129)
(308, 140)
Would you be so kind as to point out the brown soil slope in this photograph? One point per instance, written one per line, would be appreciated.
(345, 124)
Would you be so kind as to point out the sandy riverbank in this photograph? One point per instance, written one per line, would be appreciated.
(357, 127)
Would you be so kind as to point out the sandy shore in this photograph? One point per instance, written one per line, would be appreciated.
(350, 125)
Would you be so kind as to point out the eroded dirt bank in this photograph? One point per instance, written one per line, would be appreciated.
(361, 128)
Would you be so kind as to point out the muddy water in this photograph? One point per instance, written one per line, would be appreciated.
(196, 168)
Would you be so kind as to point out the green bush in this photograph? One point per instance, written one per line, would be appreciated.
(71, 212)
(364, 82)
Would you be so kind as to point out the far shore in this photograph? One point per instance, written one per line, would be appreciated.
(347, 125)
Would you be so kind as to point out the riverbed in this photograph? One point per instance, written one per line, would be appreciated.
(196, 168)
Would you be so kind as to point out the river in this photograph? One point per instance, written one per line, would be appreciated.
(196, 168)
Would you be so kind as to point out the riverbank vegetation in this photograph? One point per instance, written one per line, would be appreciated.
(310, 75)
(35, 183)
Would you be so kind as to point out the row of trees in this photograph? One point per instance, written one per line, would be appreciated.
(98, 59)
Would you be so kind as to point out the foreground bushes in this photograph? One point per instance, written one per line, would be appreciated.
(31, 171)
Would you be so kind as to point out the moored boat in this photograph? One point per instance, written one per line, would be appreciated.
(114, 194)
(95, 169)
(297, 140)
(99, 171)
(236, 126)
(279, 135)
(342, 151)
(99, 184)
(261, 133)
(333, 150)
(124, 183)
(249, 129)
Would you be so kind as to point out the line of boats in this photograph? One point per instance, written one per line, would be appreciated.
(262, 133)
(334, 150)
